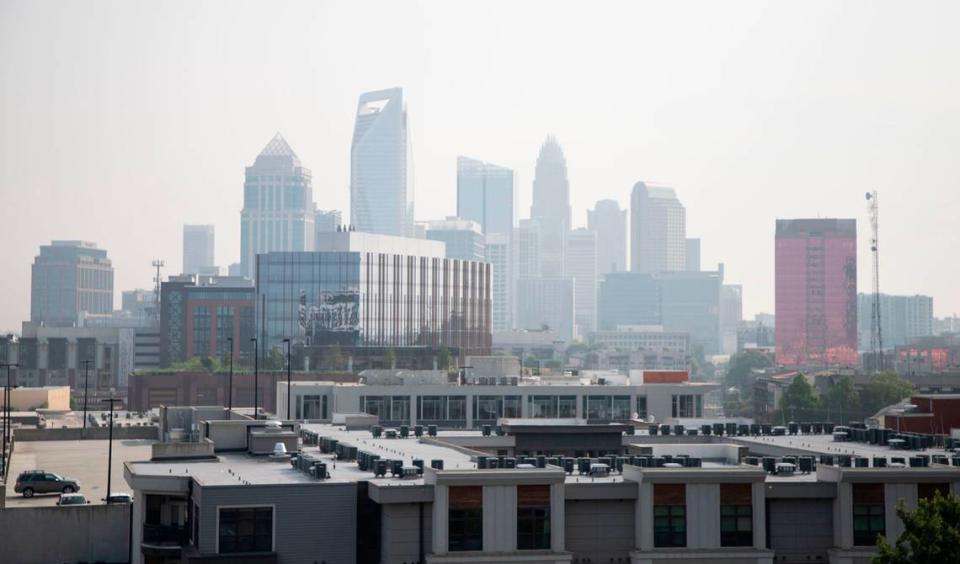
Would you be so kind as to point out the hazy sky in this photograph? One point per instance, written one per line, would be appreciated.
(122, 120)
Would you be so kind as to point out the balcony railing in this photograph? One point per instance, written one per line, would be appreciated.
(164, 535)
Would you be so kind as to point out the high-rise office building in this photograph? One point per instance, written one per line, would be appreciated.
(658, 240)
(902, 319)
(278, 209)
(692, 255)
(816, 292)
(526, 249)
(198, 249)
(498, 255)
(731, 314)
(381, 172)
(462, 237)
(485, 195)
(690, 301)
(551, 206)
(67, 278)
(546, 303)
(628, 299)
(609, 222)
(325, 221)
(581, 265)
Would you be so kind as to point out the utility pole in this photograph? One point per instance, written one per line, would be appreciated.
(111, 401)
(86, 379)
(256, 378)
(230, 382)
(287, 341)
(876, 330)
(6, 416)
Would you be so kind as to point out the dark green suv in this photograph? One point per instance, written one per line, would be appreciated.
(40, 482)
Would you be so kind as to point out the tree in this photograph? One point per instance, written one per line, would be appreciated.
(443, 358)
(798, 401)
(931, 533)
(843, 400)
(883, 390)
(391, 358)
(275, 360)
(740, 367)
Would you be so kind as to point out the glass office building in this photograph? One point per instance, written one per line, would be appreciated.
(376, 297)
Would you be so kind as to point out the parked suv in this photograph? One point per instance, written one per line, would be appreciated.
(39, 481)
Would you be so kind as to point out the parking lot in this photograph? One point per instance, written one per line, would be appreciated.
(84, 461)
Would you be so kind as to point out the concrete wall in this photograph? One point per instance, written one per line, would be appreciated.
(92, 433)
(56, 398)
(315, 522)
(600, 530)
(400, 532)
(85, 533)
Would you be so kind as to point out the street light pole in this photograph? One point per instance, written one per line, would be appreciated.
(86, 379)
(230, 382)
(6, 416)
(256, 379)
(287, 341)
(111, 401)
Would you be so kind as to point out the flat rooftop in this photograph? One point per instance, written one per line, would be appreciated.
(824, 444)
(84, 461)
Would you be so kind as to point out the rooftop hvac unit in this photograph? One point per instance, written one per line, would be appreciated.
(785, 469)
(955, 460)
(418, 431)
(410, 471)
(664, 430)
(693, 432)
(916, 462)
(719, 428)
(380, 468)
(599, 470)
(766, 429)
(679, 430)
(778, 431)
(568, 464)
(693, 462)
(731, 429)
(805, 428)
(940, 459)
(553, 460)
(845, 461)
(501, 431)
(743, 430)
(653, 430)
(806, 464)
(396, 467)
(541, 461)
(828, 428)
(631, 430)
(793, 428)
(376, 430)
(436, 464)
(493, 462)
(390, 433)
(898, 460)
(879, 462)
(706, 429)
(861, 462)
(404, 431)
(509, 462)
(769, 464)
(418, 463)
(432, 430)
(485, 430)
(817, 428)
(583, 465)
(482, 462)
(752, 460)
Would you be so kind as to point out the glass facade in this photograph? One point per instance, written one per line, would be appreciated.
(669, 515)
(816, 292)
(868, 516)
(533, 517)
(628, 298)
(373, 299)
(485, 195)
(465, 518)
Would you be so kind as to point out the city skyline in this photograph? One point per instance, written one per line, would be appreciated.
(753, 152)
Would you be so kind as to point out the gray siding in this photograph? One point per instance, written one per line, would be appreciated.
(400, 529)
(312, 522)
(600, 530)
(800, 530)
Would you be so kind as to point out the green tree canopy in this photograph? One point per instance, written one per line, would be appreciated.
(333, 358)
(799, 403)
(931, 533)
(842, 400)
(741, 364)
(883, 390)
(443, 358)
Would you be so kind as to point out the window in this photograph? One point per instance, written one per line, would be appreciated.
(313, 407)
(543, 407)
(669, 515)
(736, 515)
(642, 406)
(533, 517)
(194, 519)
(868, 517)
(465, 518)
(246, 529)
(432, 408)
(928, 490)
(457, 408)
(511, 406)
(687, 406)
(567, 406)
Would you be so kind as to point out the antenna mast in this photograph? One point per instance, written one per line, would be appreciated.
(876, 333)
(156, 292)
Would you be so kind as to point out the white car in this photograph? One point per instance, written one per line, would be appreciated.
(72, 499)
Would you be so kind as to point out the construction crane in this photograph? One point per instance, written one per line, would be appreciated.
(876, 332)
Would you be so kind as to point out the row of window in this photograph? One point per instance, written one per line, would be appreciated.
(465, 518)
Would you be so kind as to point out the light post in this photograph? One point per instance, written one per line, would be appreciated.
(86, 380)
(256, 379)
(230, 382)
(287, 341)
(6, 416)
(111, 401)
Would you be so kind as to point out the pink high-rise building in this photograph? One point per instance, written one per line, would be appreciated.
(816, 292)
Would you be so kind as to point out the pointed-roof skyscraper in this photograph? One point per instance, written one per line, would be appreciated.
(278, 208)
(381, 173)
(551, 206)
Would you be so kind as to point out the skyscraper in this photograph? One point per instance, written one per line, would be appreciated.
(278, 209)
(381, 172)
(485, 195)
(198, 251)
(498, 255)
(551, 206)
(581, 265)
(67, 278)
(325, 221)
(731, 314)
(902, 319)
(816, 292)
(526, 249)
(609, 222)
(657, 230)
(546, 303)
(462, 237)
(693, 255)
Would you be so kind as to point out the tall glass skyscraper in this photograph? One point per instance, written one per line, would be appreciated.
(658, 230)
(381, 172)
(816, 292)
(198, 249)
(278, 210)
(70, 277)
(485, 195)
(609, 222)
(551, 206)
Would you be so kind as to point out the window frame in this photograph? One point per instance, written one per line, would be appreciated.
(870, 511)
(471, 519)
(534, 521)
(673, 514)
(273, 526)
